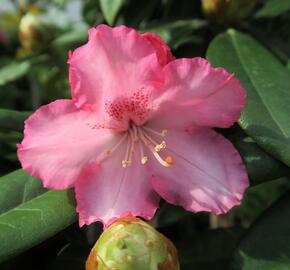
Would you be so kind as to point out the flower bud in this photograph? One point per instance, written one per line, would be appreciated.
(131, 244)
(227, 11)
(32, 32)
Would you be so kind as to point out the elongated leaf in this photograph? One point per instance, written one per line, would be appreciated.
(13, 120)
(110, 9)
(273, 8)
(33, 215)
(10, 137)
(266, 116)
(138, 12)
(261, 167)
(13, 71)
(266, 245)
(70, 40)
(258, 198)
(178, 32)
(16, 188)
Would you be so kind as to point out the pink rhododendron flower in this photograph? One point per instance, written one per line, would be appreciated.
(138, 127)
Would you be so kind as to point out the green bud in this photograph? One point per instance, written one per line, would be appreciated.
(131, 244)
(227, 11)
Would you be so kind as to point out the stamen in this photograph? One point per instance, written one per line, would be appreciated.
(161, 161)
(132, 146)
(163, 133)
(126, 162)
(144, 158)
(149, 146)
(149, 138)
(110, 151)
(160, 146)
(135, 133)
(141, 135)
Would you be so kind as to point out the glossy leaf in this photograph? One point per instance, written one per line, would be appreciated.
(273, 8)
(13, 120)
(33, 215)
(261, 167)
(266, 116)
(266, 245)
(258, 198)
(110, 9)
(13, 71)
(16, 188)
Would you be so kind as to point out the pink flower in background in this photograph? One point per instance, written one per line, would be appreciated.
(138, 127)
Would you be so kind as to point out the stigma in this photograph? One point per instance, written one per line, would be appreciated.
(139, 138)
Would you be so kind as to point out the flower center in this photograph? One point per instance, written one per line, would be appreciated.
(142, 137)
(135, 107)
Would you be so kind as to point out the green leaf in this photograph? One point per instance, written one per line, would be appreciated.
(266, 245)
(110, 9)
(177, 33)
(33, 214)
(266, 116)
(258, 198)
(10, 137)
(16, 188)
(13, 120)
(139, 12)
(13, 71)
(208, 250)
(169, 214)
(70, 40)
(261, 167)
(273, 8)
(288, 65)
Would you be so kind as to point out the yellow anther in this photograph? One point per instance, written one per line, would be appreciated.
(144, 160)
(126, 163)
(160, 146)
(164, 132)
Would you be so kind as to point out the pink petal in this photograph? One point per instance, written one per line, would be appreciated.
(115, 62)
(59, 141)
(207, 173)
(196, 93)
(108, 191)
(163, 51)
